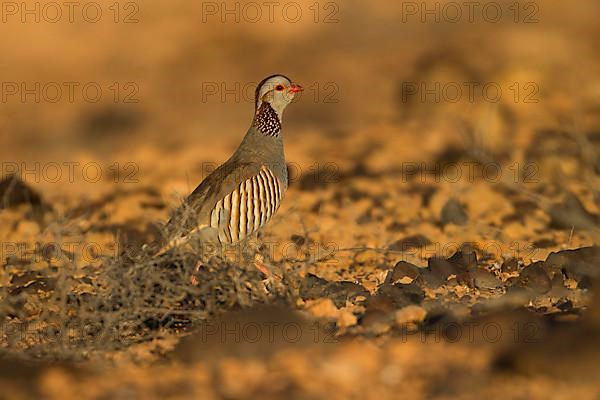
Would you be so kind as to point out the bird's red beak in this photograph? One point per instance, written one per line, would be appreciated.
(296, 88)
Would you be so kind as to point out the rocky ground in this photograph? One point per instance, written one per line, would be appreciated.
(425, 249)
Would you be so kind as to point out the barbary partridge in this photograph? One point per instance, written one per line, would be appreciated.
(242, 195)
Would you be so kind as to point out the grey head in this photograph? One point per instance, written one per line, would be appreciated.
(272, 96)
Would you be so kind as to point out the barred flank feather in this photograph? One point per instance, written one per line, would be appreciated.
(248, 208)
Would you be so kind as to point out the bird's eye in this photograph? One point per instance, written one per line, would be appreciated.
(279, 87)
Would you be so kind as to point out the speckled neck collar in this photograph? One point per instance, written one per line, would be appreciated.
(267, 121)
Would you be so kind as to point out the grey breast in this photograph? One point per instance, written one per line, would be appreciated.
(248, 207)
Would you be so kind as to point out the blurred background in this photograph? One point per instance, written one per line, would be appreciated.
(429, 126)
(135, 82)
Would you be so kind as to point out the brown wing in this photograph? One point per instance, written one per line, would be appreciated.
(195, 211)
(237, 199)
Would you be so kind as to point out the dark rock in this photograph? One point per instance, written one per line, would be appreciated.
(313, 287)
(319, 178)
(535, 278)
(510, 265)
(576, 264)
(585, 283)
(558, 350)
(410, 242)
(152, 205)
(571, 214)
(356, 194)
(401, 270)
(110, 120)
(431, 280)
(557, 280)
(443, 268)
(525, 207)
(564, 305)
(379, 313)
(298, 240)
(402, 295)
(364, 218)
(453, 282)
(14, 192)
(382, 301)
(508, 218)
(427, 194)
(453, 213)
(484, 279)
(396, 226)
(466, 299)
(558, 288)
(440, 320)
(439, 269)
(412, 292)
(467, 260)
(465, 278)
(343, 291)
